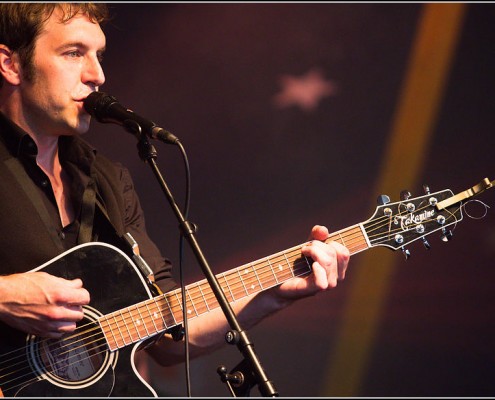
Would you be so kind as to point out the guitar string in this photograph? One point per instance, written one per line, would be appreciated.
(40, 362)
(225, 276)
(65, 339)
(232, 289)
(192, 300)
(270, 272)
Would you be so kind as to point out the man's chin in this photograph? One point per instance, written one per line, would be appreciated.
(82, 126)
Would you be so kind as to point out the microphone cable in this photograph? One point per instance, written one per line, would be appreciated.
(181, 268)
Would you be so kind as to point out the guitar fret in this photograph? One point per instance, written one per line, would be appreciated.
(112, 344)
(120, 332)
(203, 297)
(308, 263)
(242, 281)
(289, 265)
(278, 269)
(179, 302)
(143, 321)
(135, 321)
(228, 287)
(250, 277)
(189, 312)
(199, 301)
(357, 239)
(160, 314)
(236, 285)
(264, 280)
(365, 236)
(151, 316)
(170, 309)
(257, 277)
(126, 326)
(210, 296)
(271, 269)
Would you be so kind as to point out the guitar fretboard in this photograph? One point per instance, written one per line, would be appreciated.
(143, 320)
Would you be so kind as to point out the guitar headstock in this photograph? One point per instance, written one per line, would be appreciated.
(395, 225)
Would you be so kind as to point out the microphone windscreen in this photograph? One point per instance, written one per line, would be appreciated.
(96, 104)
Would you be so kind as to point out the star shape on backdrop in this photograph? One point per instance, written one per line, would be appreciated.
(305, 91)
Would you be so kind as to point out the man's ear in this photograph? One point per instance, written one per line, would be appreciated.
(9, 65)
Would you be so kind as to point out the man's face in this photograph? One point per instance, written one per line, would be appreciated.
(66, 66)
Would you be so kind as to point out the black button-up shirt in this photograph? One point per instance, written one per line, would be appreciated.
(101, 192)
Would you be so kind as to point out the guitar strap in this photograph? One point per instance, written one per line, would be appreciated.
(28, 187)
(88, 212)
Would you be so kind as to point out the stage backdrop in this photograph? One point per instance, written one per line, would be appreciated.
(301, 114)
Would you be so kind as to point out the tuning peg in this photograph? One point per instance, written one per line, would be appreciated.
(383, 199)
(426, 189)
(405, 194)
(426, 244)
(447, 235)
(406, 252)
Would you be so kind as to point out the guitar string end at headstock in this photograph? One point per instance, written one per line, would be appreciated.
(467, 194)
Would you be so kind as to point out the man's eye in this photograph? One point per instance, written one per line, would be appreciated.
(73, 54)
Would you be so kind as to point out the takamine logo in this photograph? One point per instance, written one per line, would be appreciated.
(413, 219)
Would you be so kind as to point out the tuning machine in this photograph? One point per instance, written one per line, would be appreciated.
(446, 235)
(405, 194)
(382, 200)
(406, 252)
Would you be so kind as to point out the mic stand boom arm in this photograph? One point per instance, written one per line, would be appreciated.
(237, 336)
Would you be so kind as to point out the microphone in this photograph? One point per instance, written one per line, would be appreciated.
(107, 109)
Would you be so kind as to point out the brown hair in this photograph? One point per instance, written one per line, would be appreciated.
(21, 23)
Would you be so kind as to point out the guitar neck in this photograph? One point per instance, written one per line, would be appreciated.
(145, 319)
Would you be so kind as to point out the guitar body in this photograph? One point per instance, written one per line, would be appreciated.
(79, 364)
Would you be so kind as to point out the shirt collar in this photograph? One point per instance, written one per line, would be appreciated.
(15, 138)
(18, 142)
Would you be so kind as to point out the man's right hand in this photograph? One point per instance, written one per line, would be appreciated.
(42, 304)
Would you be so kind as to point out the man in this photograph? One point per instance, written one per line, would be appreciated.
(57, 192)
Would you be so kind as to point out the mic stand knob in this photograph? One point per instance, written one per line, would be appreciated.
(240, 380)
(234, 380)
(232, 337)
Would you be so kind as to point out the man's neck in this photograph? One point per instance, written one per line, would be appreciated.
(49, 162)
(47, 157)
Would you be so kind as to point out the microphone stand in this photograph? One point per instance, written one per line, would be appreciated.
(249, 371)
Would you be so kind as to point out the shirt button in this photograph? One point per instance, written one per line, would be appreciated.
(44, 183)
(62, 235)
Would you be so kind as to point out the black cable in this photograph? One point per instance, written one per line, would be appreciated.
(181, 274)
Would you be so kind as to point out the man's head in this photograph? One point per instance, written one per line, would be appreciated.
(21, 23)
(50, 60)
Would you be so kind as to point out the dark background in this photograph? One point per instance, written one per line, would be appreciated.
(263, 175)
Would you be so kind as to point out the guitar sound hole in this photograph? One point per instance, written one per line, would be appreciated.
(76, 359)
(72, 358)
